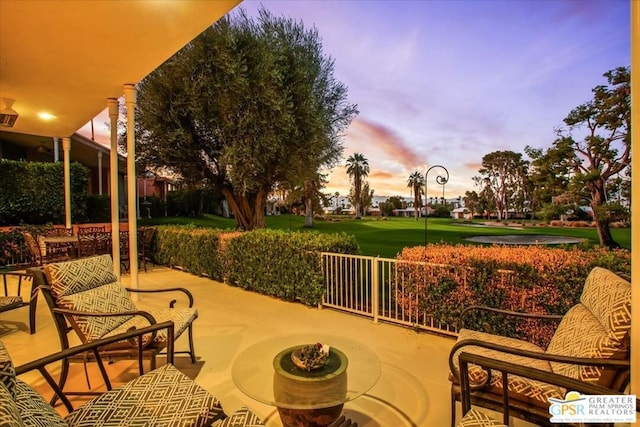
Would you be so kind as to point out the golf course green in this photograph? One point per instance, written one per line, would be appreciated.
(386, 237)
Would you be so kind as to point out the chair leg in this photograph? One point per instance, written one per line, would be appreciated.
(32, 312)
(453, 408)
(192, 352)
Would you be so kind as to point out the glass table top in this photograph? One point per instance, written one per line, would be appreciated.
(263, 372)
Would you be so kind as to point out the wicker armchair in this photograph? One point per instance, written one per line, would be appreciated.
(85, 297)
(591, 344)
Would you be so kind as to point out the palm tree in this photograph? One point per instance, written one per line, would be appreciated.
(357, 168)
(416, 183)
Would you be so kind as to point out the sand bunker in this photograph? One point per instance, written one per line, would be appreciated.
(525, 239)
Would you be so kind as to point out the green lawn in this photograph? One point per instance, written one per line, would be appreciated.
(386, 238)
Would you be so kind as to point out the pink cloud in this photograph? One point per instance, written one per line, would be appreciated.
(368, 133)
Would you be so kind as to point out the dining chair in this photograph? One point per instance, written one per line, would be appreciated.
(40, 255)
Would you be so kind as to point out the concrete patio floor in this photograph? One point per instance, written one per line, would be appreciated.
(413, 389)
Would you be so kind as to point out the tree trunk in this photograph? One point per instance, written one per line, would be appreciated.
(308, 203)
(604, 234)
(602, 223)
(248, 211)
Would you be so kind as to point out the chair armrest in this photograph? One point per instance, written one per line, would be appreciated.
(172, 303)
(507, 368)
(472, 308)
(584, 361)
(94, 346)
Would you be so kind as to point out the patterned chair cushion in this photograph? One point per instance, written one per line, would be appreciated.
(243, 417)
(9, 413)
(108, 298)
(79, 275)
(10, 301)
(164, 396)
(34, 410)
(7, 371)
(580, 334)
(523, 389)
(476, 418)
(608, 297)
(182, 317)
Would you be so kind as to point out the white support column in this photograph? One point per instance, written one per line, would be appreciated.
(635, 199)
(100, 173)
(130, 101)
(66, 148)
(166, 189)
(56, 149)
(114, 106)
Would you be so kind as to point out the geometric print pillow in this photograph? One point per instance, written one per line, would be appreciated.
(79, 275)
(109, 298)
(580, 334)
(476, 418)
(9, 413)
(608, 298)
(7, 371)
(243, 417)
(162, 397)
(34, 410)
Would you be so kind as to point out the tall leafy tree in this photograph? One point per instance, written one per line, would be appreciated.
(548, 176)
(416, 182)
(595, 148)
(357, 169)
(504, 173)
(244, 106)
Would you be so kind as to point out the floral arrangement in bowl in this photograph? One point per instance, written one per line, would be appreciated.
(310, 356)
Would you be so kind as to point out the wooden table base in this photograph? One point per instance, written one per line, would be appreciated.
(320, 417)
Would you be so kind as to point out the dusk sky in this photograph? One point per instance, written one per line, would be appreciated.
(446, 82)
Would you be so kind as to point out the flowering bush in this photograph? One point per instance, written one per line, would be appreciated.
(532, 279)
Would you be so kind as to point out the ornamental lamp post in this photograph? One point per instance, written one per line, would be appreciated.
(441, 180)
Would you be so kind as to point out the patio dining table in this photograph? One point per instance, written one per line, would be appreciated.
(55, 243)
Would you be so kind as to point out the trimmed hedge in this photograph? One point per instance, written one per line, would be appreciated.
(33, 193)
(282, 264)
(285, 265)
(196, 250)
(532, 279)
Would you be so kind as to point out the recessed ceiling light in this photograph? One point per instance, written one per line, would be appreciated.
(46, 116)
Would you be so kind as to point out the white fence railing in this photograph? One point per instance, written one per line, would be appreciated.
(371, 286)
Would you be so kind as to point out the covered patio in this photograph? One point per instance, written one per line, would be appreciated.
(413, 389)
(91, 66)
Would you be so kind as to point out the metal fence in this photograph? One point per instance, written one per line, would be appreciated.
(376, 287)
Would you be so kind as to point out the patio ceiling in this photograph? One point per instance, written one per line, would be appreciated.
(66, 58)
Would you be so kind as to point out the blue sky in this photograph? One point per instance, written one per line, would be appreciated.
(446, 82)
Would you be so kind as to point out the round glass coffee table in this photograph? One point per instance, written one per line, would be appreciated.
(265, 372)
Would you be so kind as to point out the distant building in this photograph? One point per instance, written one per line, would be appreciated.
(461, 213)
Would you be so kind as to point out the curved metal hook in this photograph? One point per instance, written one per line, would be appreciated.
(441, 180)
